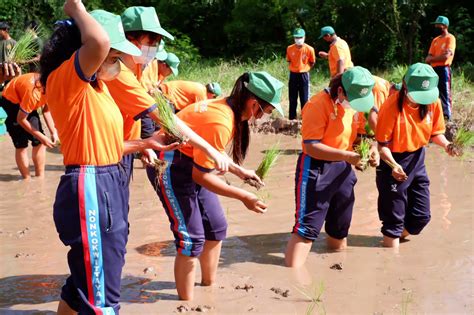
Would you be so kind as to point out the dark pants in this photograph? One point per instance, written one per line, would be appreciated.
(444, 86)
(404, 205)
(20, 137)
(91, 216)
(299, 84)
(195, 213)
(324, 192)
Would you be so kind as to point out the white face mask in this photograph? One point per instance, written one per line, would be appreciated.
(108, 72)
(148, 53)
(299, 41)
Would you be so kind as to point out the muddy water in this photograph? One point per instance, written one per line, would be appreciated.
(430, 274)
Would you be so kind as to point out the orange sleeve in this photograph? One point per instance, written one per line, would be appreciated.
(130, 96)
(217, 136)
(288, 54)
(315, 117)
(312, 55)
(430, 52)
(32, 100)
(438, 119)
(451, 44)
(386, 120)
(339, 53)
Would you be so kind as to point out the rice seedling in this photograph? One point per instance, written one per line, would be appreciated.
(268, 161)
(25, 49)
(168, 120)
(407, 299)
(160, 168)
(363, 149)
(314, 294)
(463, 139)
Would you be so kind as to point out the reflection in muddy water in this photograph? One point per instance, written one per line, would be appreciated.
(156, 249)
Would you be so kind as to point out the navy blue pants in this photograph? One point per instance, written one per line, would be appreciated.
(195, 213)
(404, 204)
(324, 191)
(298, 85)
(444, 86)
(91, 216)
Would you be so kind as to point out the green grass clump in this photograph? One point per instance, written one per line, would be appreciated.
(168, 119)
(268, 161)
(464, 139)
(25, 49)
(363, 149)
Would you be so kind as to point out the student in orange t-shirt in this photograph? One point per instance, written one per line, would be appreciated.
(188, 188)
(91, 206)
(301, 59)
(183, 93)
(339, 55)
(20, 99)
(324, 179)
(440, 57)
(407, 121)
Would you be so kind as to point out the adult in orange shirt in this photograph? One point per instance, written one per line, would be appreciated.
(407, 122)
(339, 55)
(324, 179)
(183, 93)
(440, 57)
(188, 189)
(301, 59)
(91, 206)
(20, 99)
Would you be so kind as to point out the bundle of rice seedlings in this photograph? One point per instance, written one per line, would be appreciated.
(168, 120)
(25, 49)
(263, 169)
(464, 138)
(363, 149)
(160, 168)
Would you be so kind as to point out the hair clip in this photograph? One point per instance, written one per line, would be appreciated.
(66, 22)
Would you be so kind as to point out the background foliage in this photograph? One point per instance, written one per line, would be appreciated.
(380, 32)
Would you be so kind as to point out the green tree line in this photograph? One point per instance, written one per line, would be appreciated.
(380, 32)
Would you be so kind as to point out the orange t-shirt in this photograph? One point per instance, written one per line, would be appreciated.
(184, 93)
(329, 123)
(381, 91)
(339, 50)
(300, 58)
(213, 120)
(132, 99)
(25, 90)
(438, 47)
(404, 131)
(149, 76)
(88, 121)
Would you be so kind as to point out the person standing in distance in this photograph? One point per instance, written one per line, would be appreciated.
(301, 59)
(440, 57)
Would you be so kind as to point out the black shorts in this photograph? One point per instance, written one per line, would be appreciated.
(20, 136)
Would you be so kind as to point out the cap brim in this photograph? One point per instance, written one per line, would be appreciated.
(161, 31)
(321, 36)
(161, 55)
(424, 97)
(174, 70)
(277, 106)
(362, 104)
(127, 48)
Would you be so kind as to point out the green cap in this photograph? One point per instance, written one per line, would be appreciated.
(326, 30)
(441, 20)
(358, 83)
(397, 86)
(214, 88)
(112, 24)
(422, 83)
(173, 62)
(161, 54)
(263, 85)
(143, 19)
(299, 32)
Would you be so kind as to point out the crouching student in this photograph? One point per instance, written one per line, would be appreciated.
(324, 181)
(407, 121)
(183, 93)
(91, 205)
(188, 189)
(20, 99)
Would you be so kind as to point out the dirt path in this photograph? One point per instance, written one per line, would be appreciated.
(431, 274)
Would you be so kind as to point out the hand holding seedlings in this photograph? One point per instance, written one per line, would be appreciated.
(253, 203)
(464, 139)
(374, 156)
(363, 150)
(397, 171)
(353, 158)
(25, 49)
(168, 120)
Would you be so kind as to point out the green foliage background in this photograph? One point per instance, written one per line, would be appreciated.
(381, 33)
